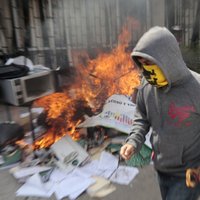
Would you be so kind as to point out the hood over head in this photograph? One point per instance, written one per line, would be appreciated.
(161, 47)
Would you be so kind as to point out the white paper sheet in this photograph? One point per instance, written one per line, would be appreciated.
(88, 170)
(106, 173)
(35, 187)
(108, 161)
(124, 175)
(81, 189)
(67, 151)
(36, 182)
(72, 186)
(147, 138)
(27, 171)
(27, 190)
(58, 175)
(91, 169)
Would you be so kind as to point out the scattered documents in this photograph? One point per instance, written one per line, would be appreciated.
(95, 177)
(108, 161)
(20, 172)
(72, 186)
(35, 187)
(124, 175)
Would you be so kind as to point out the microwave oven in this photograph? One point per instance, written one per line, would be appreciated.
(25, 89)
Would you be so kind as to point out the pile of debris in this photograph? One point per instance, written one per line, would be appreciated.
(68, 167)
(67, 170)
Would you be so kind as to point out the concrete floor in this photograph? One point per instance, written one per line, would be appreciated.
(143, 187)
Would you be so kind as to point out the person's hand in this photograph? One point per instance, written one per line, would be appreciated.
(126, 151)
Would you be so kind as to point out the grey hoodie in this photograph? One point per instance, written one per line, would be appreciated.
(172, 111)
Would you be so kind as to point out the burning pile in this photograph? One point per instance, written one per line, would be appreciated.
(96, 80)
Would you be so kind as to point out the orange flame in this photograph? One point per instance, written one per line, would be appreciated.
(107, 74)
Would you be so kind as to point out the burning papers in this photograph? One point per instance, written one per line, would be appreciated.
(117, 113)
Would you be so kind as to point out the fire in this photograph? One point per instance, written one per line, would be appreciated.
(110, 73)
(62, 117)
(95, 80)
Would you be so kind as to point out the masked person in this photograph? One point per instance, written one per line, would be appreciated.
(168, 101)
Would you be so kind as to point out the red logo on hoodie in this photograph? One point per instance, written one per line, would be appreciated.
(180, 114)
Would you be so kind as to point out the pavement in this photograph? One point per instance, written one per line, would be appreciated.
(143, 187)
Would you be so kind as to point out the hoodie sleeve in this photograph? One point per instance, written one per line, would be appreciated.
(141, 124)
